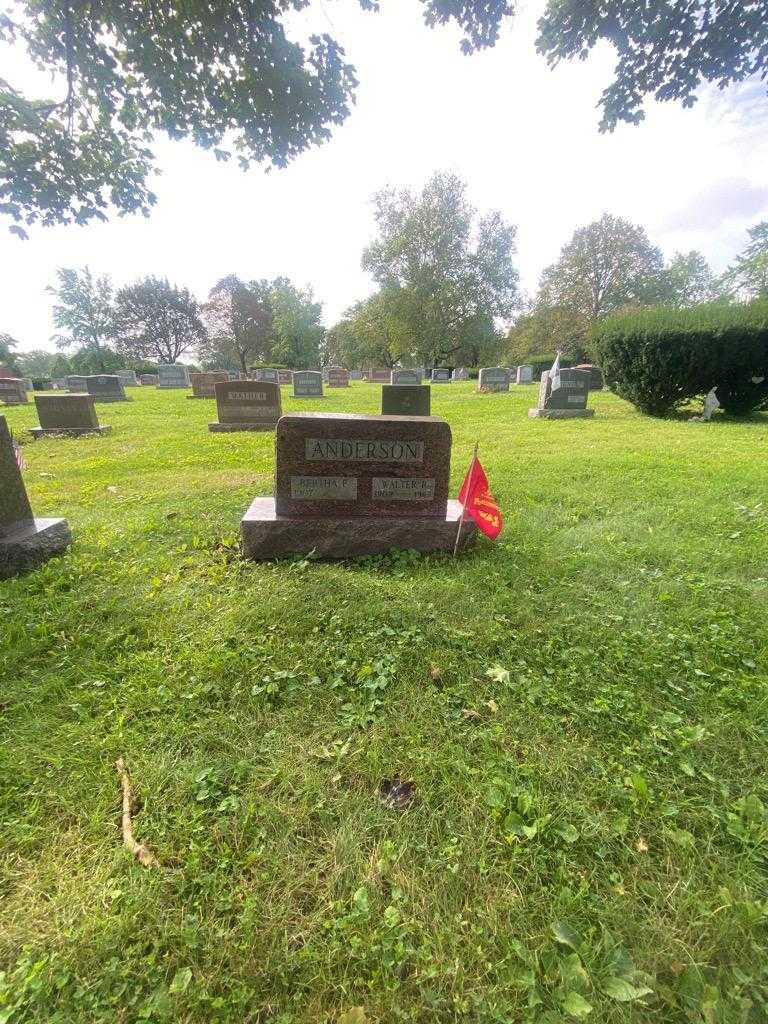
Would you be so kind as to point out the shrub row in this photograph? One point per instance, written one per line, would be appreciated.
(660, 358)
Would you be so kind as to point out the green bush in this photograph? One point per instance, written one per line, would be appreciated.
(660, 358)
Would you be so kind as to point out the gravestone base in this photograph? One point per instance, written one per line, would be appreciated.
(561, 414)
(191, 397)
(98, 398)
(267, 535)
(227, 428)
(38, 432)
(30, 543)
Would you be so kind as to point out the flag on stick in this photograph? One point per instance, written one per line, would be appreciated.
(555, 368)
(478, 503)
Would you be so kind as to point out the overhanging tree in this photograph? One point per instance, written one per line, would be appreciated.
(157, 320)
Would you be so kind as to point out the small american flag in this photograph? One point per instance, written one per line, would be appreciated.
(18, 454)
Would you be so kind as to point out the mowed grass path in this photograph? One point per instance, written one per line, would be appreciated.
(582, 709)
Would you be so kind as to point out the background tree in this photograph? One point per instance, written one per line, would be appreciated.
(543, 330)
(748, 275)
(85, 311)
(60, 366)
(7, 357)
(36, 363)
(688, 280)
(157, 320)
(607, 265)
(663, 49)
(240, 321)
(441, 266)
(298, 333)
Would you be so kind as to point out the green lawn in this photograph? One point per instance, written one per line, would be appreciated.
(589, 828)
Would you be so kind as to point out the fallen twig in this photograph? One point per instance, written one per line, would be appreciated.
(142, 853)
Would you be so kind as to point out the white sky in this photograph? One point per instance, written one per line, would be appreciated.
(524, 137)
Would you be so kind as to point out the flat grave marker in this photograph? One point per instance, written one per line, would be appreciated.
(68, 415)
(25, 542)
(247, 405)
(406, 399)
(348, 485)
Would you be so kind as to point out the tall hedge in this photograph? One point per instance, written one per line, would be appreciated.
(660, 358)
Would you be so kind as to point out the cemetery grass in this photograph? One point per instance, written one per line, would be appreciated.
(581, 709)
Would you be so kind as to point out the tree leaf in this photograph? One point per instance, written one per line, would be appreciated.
(181, 980)
(576, 1005)
(355, 1015)
(566, 935)
(622, 991)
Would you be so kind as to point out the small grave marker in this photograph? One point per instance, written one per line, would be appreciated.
(106, 387)
(13, 391)
(172, 375)
(524, 374)
(307, 384)
(405, 399)
(493, 378)
(204, 384)
(247, 405)
(405, 375)
(69, 415)
(563, 395)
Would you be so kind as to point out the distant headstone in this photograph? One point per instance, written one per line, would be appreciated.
(379, 375)
(348, 485)
(76, 384)
(402, 375)
(27, 382)
(441, 375)
(563, 395)
(285, 376)
(172, 375)
(307, 384)
(493, 378)
(105, 387)
(204, 384)
(149, 380)
(59, 384)
(461, 373)
(355, 374)
(6, 371)
(405, 399)
(247, 405)
(337, 377)
(127, 378)
(13, 391)
(596, 381)
(70, 415)
(266, 374)
(524, 374)
(25, 542)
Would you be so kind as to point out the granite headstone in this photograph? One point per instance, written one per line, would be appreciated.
(461, 373)
(441, 375)
(406, 375)
(285, 376)
(70, 415)
(127, 378)
(247, 405)
(337, 377)
(172, 375)
(13, 391)
(379, 375)
(307, 384)
(204, 384)
(493, 378)
(405, 399)
(149, 380)
(524, 374)
(563, 395)
(265, 374)
(105, 387)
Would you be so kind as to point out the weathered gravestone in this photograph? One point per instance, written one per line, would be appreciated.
(563, 395)
(127, 378)
(493, 378)
(25, 542)
(337, 377)
(524, 374)
(27, 382)
(379, 375)
(267, 374)
(70, 415)
(106, 387)
(204, 384)
(355, 374)
(247, 405)
(59, 384)
(13, 391)
(307, 384)
(461, 373)
(405, 399)
(76, 384)
(348, 485)
(6, 371)
(172, 375)
(402, 375)
(149, 380)
(285, 376)
(441, 375)
(596, 381)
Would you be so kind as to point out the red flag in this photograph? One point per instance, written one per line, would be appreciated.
(479, 504)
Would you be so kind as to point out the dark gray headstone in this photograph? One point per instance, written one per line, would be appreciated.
(13, 391)
(268, 374)
(493, 378)
(172, 375)
(70, 415)
(405, 399)
(25, 542)
(441, 375)
(76, 383)
(307, 384)
(563, 395)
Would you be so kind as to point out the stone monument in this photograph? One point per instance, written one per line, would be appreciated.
(127, 378)
(493, 378)
(307, 384)
(379, 375)
(563, 395)
(441, 375)
(106, 387)
(348, 485)
(525, 374)
(76, 383)
(265, 374)
(13, 391)
(461, 373)
(204, 384)
(247, 405)
(70, 415)
(285, 376)
(405, 399)
(596, 382)
(148, 380)
(337, 377)
(402, 375)
(172, 375)
(355, 374)
(25, 542)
